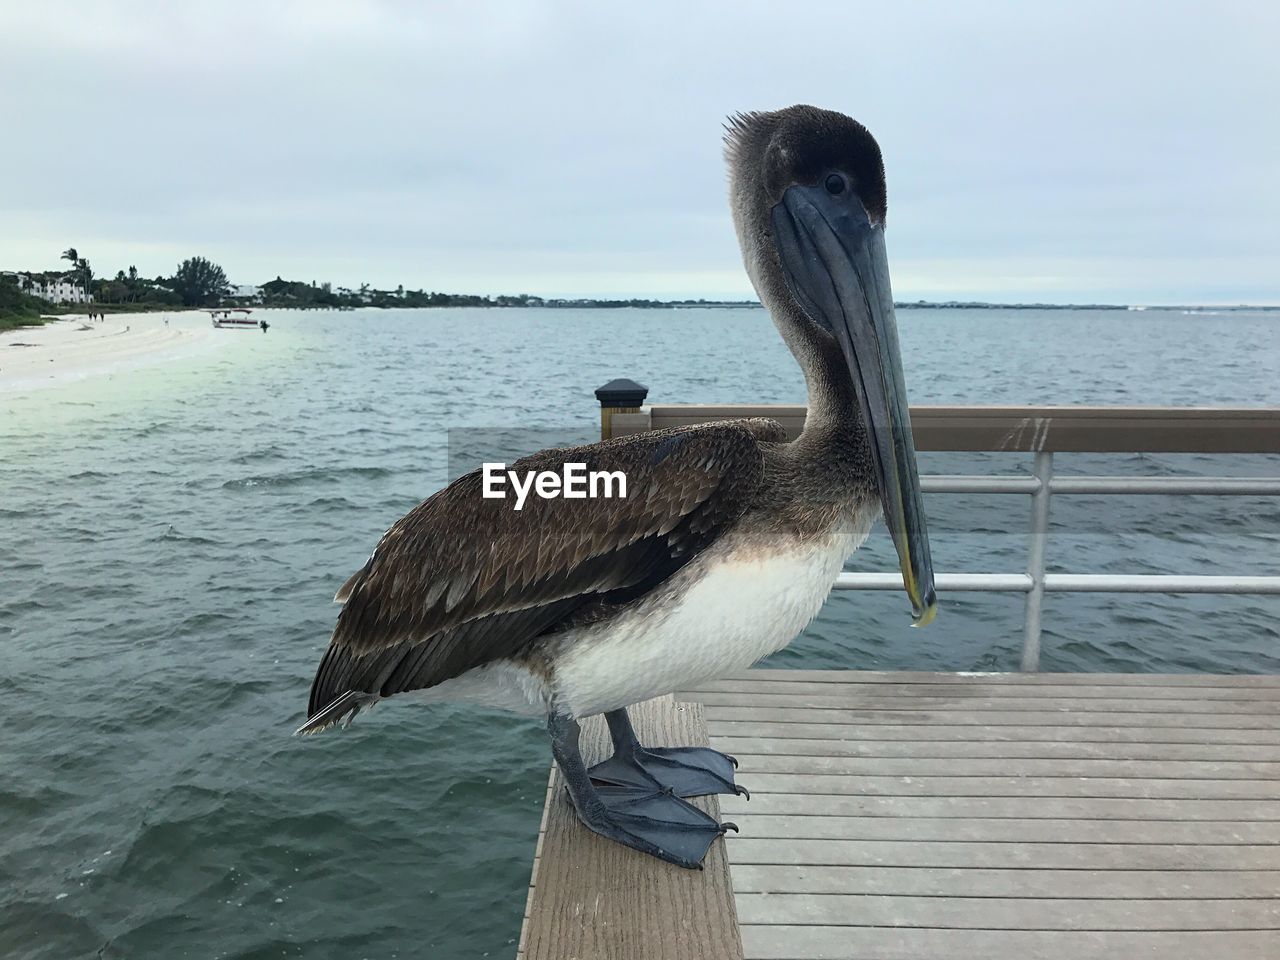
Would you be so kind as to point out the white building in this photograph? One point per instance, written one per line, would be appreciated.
(247, 291)
(56, 290)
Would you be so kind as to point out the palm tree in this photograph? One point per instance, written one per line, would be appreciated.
(85, 273)
(82, 271)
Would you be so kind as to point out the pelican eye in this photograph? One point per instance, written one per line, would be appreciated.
(834, 184)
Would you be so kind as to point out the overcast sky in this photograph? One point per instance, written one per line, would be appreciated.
(1076, 151)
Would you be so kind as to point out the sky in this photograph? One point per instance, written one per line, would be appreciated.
(1061, 152)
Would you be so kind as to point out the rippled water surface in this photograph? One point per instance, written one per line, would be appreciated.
(170, 540)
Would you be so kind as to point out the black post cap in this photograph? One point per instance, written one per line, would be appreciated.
(622, 393)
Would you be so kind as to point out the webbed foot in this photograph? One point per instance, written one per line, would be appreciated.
(686, 771)
(641, 812)
(655, 822)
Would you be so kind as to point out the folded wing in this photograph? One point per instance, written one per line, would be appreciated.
(463, 580)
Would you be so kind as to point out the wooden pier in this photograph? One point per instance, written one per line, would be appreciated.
(904, 816)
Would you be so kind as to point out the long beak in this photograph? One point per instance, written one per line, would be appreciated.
(836, 267)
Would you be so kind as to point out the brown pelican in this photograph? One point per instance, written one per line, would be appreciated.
(723, 549)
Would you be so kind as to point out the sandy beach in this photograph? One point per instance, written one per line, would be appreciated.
(76, 348)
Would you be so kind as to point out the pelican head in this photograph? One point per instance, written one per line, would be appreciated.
(808, 196)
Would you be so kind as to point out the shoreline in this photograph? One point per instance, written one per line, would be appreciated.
(72, 348)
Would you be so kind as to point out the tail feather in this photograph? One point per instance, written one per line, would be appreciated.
(346, 706)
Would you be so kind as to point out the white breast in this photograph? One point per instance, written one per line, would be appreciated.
(740, 601)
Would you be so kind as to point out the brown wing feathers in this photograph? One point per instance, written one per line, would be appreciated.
(462, 580)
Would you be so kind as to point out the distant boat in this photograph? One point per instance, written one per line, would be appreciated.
(236, 318)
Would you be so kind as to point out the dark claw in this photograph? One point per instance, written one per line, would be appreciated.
(729, 825)
(742, 791)
(733, 760)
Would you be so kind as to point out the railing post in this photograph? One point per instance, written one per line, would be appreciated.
(1043, 470)
(618, 396)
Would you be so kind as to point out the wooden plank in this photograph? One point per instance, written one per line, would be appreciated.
(990, 749)
(521, 953)
(1182, 770)
(978, 690)
(1008, 913)
(761, 783)
(777, 942)
(1052, 429)
(963, 679)
(1004, 829)
(994, 705)
(1127, 809)
(731, 710)
(751, 726)
(625, 424)
(594, 898)
(1041, 856)
(953, 882)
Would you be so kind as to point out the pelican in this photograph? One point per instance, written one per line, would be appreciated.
(724, 548)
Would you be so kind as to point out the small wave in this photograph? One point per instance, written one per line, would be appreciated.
(203, 623)
(172, 533)
(301, 477)
(160, 426)
(338, 502)
(270, 452)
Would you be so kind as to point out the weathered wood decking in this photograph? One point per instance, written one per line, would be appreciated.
(914, 815)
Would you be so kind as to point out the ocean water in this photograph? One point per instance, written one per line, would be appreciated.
(171, 538)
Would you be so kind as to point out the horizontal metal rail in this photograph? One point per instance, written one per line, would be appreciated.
(959, 582)
(1071, 583)
(1157, 583)
(1184, 486)
(1158, 486)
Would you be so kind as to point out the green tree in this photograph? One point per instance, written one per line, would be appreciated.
(200, 283)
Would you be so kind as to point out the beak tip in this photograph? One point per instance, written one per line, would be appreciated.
(928, 609)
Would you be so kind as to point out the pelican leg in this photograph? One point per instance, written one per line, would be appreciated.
(644, 816)
(686, 771)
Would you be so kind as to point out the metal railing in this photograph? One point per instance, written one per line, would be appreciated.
(1035, 583)
(1041, 431)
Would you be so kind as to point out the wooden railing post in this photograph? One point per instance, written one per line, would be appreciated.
(618, 396)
